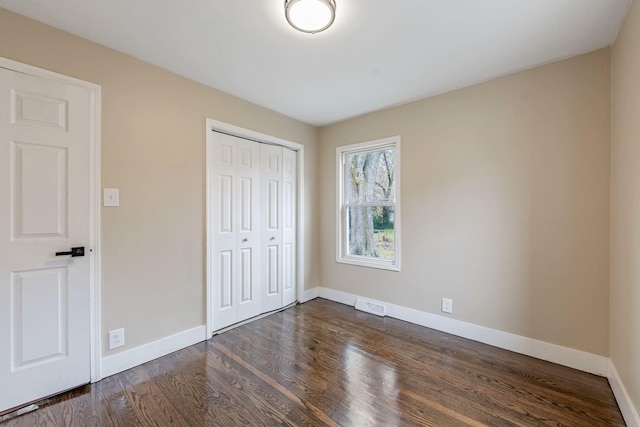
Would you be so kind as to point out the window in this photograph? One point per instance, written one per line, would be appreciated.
(369, 204)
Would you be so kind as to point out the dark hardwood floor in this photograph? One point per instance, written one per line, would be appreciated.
(324, 363)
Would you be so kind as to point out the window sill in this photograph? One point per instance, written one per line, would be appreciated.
(361, 262)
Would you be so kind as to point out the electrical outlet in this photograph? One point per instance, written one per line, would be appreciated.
(116, 338)
(111, 197)
(447, 305)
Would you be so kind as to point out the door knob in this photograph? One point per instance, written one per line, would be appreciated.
(245, 240)
(272, 238)
(74, 252)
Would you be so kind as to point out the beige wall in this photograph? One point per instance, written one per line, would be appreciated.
(505, 194)
(625, 205)
(505, 203)
(153, 143)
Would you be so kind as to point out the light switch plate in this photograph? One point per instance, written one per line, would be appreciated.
(111, 197)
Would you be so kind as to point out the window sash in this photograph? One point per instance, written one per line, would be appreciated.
(385, 253)
(344, 205)
(345, 173)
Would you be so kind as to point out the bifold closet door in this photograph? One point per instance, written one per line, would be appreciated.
(252, 225)
(278, 203)
(234, 183)
(289, 210)
(271, 202)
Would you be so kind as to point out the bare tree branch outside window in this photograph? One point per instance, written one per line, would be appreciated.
(369, 203)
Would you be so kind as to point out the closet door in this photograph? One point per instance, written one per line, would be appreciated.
(234, 166)
(272, 219)
(248, 280)
(289, 209)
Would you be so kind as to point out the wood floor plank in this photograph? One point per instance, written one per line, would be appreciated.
(325, 364)
(470, 383)
(489, 379)
(435, 389)
(435, 386)
(260, 403)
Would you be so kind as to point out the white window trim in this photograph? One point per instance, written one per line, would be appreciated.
(341, 250)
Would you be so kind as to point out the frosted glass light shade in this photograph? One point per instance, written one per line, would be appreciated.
(310, 16)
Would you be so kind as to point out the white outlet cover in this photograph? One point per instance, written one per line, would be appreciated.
(111, 197)
(447, 305)
(116, 338)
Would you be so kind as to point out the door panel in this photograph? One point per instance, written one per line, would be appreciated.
(236, 279)
(272, 270)
(289, 211)
(288, 260)
(248, 237)
(45, 130)
(246, 204)
(39, 324)
(222, 212)
(38, 191)
(272, 206)
(226, 280)
(225, 203)
(37, 110)
(271, 159)
(246, 276)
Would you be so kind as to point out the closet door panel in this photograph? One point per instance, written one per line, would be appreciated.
(248, 236)
(272, 269)
(289, 225)
(246, 276)
(225, 265)
(271, 203)
(222, 187)
(272, 206)
(225, 205)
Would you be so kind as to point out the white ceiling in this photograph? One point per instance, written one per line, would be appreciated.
(378, 53)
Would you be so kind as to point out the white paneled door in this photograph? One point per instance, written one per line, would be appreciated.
(289, 209)
(234, 185)
(251, 228)
(272, 261)
(279, 187)
(44, 208)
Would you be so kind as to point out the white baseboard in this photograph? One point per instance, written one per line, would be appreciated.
(629, 411)
(137, 356)
(565, 356)
(339, 296)
(308, 295)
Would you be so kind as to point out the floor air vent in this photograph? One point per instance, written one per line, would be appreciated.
(370, 307)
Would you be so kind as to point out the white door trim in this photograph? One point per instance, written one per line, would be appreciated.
(94, 196)
(233, 130)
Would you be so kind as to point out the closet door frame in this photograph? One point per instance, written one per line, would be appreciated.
(217, 126)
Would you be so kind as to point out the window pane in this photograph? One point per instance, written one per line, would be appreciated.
(371, 232)
(369, 176)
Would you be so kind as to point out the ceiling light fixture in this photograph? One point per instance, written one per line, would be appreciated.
(310, 16)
